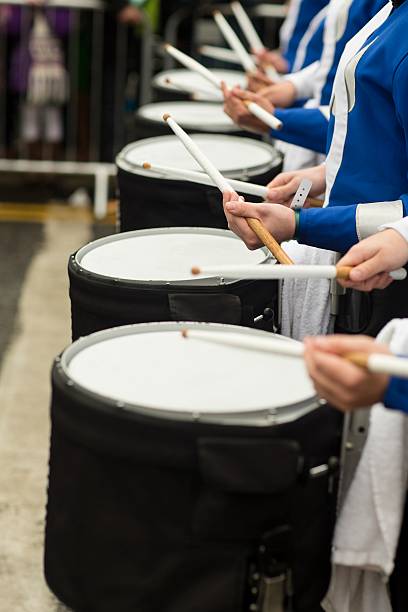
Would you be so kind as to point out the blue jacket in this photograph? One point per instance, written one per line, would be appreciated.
(308, 127)
(307, 10)
(396, 396)
(372, 151)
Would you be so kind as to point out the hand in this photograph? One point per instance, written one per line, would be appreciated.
(343, 384)
(130, 15)
(257, 81)
(278, 220)
(235, 108)
(282, 94)
(284, 186)
(273, 58)
(374, 257)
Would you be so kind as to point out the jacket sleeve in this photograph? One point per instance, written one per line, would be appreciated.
(303, 80)
(305, 127)
(339, 227)
(396, 396)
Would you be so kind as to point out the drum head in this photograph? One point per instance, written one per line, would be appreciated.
(234, 156)
(165, 256)
(152, 369)
(191, 82)
(202, 116)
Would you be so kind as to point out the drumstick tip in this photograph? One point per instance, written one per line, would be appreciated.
(147, 166)
(195, 270)
(166, 116)
(184, 333)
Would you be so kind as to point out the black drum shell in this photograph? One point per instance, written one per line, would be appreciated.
(100, 303)
(134, 522)
(146, 202)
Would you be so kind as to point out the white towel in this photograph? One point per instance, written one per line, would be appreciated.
(305, 304)
(367, 530)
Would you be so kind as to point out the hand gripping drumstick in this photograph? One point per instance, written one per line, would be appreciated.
(191, 64)
(282, 272)
(374, 362)
(255, 224)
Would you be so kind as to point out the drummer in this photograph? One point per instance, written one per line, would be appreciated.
(307, 127)
(365, 176)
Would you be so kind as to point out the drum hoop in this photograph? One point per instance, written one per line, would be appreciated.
(203, 282)
(257, 418)
(127, 166)
(230, 128)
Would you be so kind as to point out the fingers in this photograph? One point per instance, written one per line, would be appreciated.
(243, 209)
(283, 192)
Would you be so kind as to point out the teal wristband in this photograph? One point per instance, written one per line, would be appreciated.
(297, 224)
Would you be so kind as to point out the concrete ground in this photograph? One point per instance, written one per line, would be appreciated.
(34, 327)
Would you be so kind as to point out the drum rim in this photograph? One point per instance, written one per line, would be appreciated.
(230, 128)
(265, 417)
(203, 282)
(127, 166)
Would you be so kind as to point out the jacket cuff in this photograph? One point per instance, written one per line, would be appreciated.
(396, 395)
(371, 216)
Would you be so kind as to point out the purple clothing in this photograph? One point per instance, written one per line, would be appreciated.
(18, 24)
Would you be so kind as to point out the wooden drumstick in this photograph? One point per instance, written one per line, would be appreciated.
(284, 272)
(314, 202)
(379, 363)
(255, 224)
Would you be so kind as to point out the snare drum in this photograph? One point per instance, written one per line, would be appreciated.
(180, 84)
(194, 117)
(185, 475)
(144, 276)
(148, 200)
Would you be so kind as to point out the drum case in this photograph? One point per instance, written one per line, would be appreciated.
(99, 302)
(158, 515)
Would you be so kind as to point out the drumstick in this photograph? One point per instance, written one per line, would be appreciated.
(255, 224)
(198, 91)
(282, 272)
(374, 362)
(201, 178)
(234, 42)
(193, 176)
(263, 115)
(252, 36)
(221, 53)
(247, 27)
(191, 64)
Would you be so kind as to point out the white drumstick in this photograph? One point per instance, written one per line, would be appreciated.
(198, 92)
(283, 272)
(199, 156)
(220, 53)
(201, 178)
(256, 225)
(263, 115)
(247, 27)
(374, 362)
(192, 64)
(234, 42)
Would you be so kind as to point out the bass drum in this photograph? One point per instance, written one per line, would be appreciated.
(148, 200)
(187, 476)
(144, 276)
(181, 84)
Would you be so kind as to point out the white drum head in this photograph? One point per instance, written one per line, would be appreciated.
(153, 369)
(190, 82)
(191, 115)
(165, 255)
(234, 156)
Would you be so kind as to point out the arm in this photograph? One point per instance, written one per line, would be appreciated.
(304, 127)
